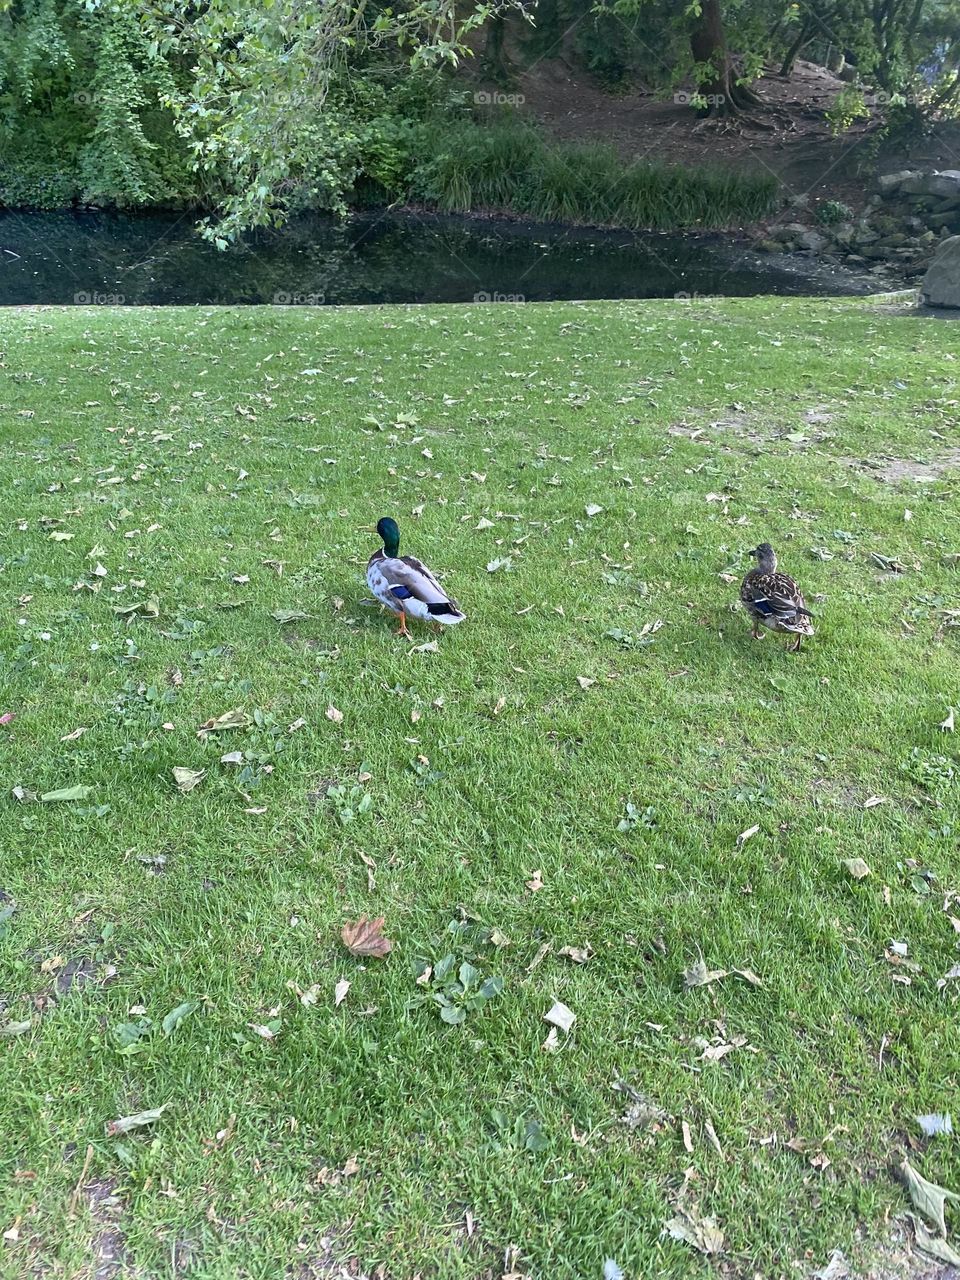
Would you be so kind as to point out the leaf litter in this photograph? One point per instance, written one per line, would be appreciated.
(365, 937)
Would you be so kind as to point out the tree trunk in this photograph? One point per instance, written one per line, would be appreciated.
(790, 57)
(708, 43)
(495, 63)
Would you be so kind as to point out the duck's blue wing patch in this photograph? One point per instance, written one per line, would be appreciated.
(401, 592)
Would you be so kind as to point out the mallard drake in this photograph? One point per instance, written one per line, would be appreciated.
(405, 585)
(774, 600)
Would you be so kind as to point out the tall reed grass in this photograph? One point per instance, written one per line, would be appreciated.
(507, 166)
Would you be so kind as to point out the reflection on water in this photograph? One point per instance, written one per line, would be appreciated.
(89, 257)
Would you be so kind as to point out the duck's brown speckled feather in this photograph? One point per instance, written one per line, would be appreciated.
(775, 601)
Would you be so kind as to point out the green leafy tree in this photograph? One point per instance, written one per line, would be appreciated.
(269, 106)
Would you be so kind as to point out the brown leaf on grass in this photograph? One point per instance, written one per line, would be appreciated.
(541, 955)
(340, 992)
(72, 737)
(236, 719)
(579, 955)
(927, 1197)
(535, 883)
(126, 1123)
(335, 714)
(364, 937)
(702, 1233)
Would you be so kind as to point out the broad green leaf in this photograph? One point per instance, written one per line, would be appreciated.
(129, 1034)
(453, 1014)
(6, 915)
(467, 975)
(143, 609)
(10, 1029)
(177, 1015)
(67, 793)
(927, 1197)
(492, 987)
(126, 1123)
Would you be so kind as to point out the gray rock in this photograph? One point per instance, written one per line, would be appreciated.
(946, 204)
(771, 246)
(941, 284)
(944, 219)
(946, 183)
(891, 182)
(811, 240)
(915, 185)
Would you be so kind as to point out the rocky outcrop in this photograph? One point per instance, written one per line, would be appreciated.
(941, 284)
(901, 225)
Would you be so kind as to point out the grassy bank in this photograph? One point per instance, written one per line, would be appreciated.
(511, 167)
(452, 165)
(560, 771)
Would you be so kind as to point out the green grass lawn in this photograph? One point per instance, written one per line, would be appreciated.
(228, 465)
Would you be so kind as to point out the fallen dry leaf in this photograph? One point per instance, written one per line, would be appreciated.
(541, 955)
(933, 1245)
(579, 955)
(236, 719)
(126, 1123)
(744, 836)
(535, 883)
(340, 992)
(947, 725)
(702, 1233)
(748, 976)
(698, 975)
(187, 779)
(856, 868)
(364, 937)
(585, 682)
(70, 737)
(333, 714)
(560, 1016)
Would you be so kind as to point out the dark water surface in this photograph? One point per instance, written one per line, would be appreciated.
(89, 257)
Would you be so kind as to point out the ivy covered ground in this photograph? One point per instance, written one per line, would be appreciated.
(598, 789)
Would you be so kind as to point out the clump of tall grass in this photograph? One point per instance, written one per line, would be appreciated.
(507, 166)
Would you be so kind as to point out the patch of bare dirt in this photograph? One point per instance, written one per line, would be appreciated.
(794, 140)
(107, 1250)
(897, 470)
